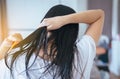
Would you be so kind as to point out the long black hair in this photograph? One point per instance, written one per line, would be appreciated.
(61, 45)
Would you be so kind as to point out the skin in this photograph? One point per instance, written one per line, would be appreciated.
(9, 43)
(94, 18)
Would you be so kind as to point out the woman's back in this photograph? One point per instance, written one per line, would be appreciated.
(83, 63)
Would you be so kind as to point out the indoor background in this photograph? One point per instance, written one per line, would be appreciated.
(24, 16)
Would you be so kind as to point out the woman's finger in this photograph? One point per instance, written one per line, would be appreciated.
(15, 37)
(50, 27)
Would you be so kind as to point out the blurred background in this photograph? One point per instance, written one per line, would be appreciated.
(24, 16)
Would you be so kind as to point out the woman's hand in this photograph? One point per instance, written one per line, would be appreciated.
(8, 43)
(14, 37)
(54, 22)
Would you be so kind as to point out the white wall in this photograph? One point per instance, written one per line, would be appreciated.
(114, 19)
(25, 15)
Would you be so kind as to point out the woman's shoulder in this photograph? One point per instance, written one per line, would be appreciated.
(86, 46)
(84, 57)
(85, 41)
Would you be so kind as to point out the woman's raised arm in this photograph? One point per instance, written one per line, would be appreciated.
(95, 19)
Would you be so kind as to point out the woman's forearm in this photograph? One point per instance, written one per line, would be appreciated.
(88, 17)
(95, 19)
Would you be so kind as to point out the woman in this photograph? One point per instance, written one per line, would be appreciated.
(52, 51)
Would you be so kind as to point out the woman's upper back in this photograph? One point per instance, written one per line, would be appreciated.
(83, 63)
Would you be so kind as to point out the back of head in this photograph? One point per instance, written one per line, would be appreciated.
(62, 45)
(69, 31)
(66, 36)
(64, 40)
